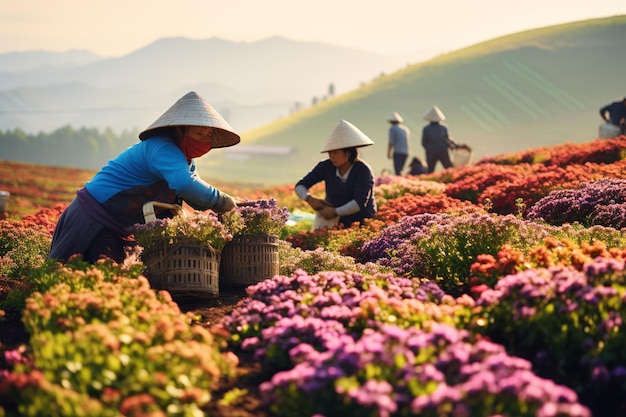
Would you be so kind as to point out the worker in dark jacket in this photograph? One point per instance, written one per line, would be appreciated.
(436, 140)
(349, 181)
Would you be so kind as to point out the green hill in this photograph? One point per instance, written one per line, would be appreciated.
(535, 88)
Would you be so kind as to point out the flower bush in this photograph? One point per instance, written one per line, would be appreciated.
(414, 372)
(110, 345)
(338, 343)
(471, 181)
(203, 227)
(23, 246)
(590, 203)
(569, 323)
(317, 260)
(464, 302)
(390, 188)
(410, 205)
(339, 240)
(443, 246)
(260, 217)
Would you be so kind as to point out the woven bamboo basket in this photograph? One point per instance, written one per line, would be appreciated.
(183, 267)
(249, 259)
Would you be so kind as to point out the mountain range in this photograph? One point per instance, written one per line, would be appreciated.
(249, 83)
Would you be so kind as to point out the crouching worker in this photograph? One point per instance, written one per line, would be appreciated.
(348, 180)
(160, 167)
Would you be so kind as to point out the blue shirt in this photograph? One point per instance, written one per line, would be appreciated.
(399, 138)
(151, 161)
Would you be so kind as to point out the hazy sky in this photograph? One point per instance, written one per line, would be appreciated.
(117, 27)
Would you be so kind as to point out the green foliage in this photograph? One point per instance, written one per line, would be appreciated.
(449, 248)
(300, 227)
(22, 247)
(579, 234)
(91, 148)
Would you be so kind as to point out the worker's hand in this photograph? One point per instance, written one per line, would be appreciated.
(316, 203)
(328, 212)
(224, 203)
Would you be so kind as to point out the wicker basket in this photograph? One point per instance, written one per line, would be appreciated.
(249, 259)
(183, 267)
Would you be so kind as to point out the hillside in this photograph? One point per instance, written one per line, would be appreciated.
(534, 88)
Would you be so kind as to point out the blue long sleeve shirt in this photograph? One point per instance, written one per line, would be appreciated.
(149, 162)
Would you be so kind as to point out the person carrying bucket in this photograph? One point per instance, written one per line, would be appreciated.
(436, 140)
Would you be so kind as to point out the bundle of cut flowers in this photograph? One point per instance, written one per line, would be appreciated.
(258, 217)
(203, 227)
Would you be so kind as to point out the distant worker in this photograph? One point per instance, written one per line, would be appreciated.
(417, 167)
(614, 114)
(436, 140)
(399, 136)
(348, 180)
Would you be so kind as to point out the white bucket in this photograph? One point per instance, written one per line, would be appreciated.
(460, 157)
(320, 222)
(4, 199)
(608, 131)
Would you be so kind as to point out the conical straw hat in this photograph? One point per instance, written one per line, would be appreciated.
(396, 118)
(346, 135)
(434, 115)
(193, 110)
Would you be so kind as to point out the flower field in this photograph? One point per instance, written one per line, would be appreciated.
(495, 289)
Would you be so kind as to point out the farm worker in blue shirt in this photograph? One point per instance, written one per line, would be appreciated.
(348, 180)
(436, 140)
(159, 167)
(399, 136)
(614, 114)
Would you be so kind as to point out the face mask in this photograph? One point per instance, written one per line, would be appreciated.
(193, 148)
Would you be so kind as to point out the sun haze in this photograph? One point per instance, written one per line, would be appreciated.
(118, 27)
